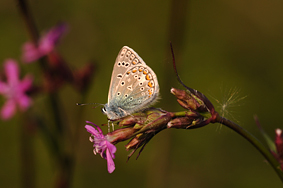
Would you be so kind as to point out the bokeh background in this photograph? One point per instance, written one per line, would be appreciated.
(222, 48)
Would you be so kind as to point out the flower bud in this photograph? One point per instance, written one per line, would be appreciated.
(179, 123)
(58, 67)
(194, 100)
(120, 135)
(136, 119)
(138, 141)
(135, 142)
(157, 120)
(188, 100)
(83, 76)
(279, 146)
(146, 124)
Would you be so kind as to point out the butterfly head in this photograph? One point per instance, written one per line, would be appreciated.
(113, 112)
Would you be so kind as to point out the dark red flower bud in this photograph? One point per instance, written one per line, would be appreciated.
(59, 68)
(279, 146)
(136, 119)
(82, 77)
(188, 100)
(120, 135)
(180, 123)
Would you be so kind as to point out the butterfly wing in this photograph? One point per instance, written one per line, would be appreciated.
(138, 89)
(126, 59)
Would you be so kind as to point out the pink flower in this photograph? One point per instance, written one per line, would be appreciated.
(46, 44)
(279, 146)
(14, 90)
(102, 145)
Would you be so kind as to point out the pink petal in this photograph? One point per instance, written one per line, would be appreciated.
(112, 149)
(24, 102)
(110, 162)
(8, 110)
(30, 52)
(46, 46)
(97, 127)
(3, 87)
(26, 83)
(92, 131)
(48, 42)
(11, 70)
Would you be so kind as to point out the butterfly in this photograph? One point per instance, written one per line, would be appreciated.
(133, 87)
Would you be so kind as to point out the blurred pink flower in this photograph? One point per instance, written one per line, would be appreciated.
(102, 145)
(46, 44)
(14, 90)
(279, 146)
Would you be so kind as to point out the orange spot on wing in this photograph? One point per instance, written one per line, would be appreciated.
(150, 84)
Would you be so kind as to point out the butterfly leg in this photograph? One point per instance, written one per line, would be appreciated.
(112, 126)
(108, 126)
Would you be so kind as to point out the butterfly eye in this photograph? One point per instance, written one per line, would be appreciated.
(103, 110)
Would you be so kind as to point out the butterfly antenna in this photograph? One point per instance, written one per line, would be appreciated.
(83, 104)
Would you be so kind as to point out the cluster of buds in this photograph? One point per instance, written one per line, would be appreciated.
(141, 127)
(58, 73)
(199, 110)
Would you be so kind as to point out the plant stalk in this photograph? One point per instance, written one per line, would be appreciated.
(255, 142)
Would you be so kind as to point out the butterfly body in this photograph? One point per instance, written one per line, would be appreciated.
(133, 86)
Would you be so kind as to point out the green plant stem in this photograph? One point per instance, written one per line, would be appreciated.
(33, 32)
(255, 142)
(30, 25)
(27, 153)
(53, 98)
(180, 114)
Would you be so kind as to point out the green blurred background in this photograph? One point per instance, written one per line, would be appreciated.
(222, 48)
